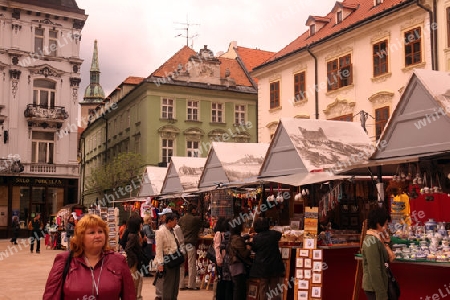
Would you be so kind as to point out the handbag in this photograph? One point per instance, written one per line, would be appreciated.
(211, 253)
(174, 260)
(393, 286)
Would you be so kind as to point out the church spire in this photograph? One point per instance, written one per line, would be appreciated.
(94, 64)
(94, 91)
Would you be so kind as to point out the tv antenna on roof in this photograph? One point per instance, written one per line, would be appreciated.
(187, 36)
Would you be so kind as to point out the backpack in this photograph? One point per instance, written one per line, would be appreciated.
(225, 273)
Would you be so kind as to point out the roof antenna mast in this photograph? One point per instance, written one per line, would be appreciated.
(187, 36)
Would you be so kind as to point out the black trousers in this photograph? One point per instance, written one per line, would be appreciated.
(35, 238)
(371, 295)
(224, 290)
(239, 287)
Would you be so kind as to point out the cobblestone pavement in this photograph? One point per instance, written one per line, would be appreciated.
(23, 274)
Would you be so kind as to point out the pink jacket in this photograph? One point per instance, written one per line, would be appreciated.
(115, 280)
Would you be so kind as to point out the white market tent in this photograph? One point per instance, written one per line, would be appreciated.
(302, 151)
(418, 127)
(183, 174)
(152, 181)
(232, 163)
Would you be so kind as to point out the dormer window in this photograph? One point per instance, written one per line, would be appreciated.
(339, 17)
(312, 29)
(377, 2)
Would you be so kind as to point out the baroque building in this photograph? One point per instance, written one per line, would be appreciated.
(40, 63)
(191, 100)
(350, 65)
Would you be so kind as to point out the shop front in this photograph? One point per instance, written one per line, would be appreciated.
(27, 196)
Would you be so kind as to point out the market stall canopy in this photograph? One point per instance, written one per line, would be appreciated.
(420, 123)
(300, 146)
(232, 163)
(300, 179)
(182, 175)
(152, 181)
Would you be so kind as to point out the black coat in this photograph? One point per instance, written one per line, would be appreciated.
(268, 261)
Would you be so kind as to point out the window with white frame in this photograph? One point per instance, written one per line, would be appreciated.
(52, 42)
(44, 93)
(39, 40)
(192, 148)
(167, 150)
(42, 46)
(217, 112)
(167, 108)
(239, 114)
(42, 147)
(192, 110)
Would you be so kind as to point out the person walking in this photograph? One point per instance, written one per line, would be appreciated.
(180, 238)
(190, 225)
(224, 283)
(376, 254)
(239, 253)
(94, 271)
(267, 265)
(36, 227)
(70, 227)
(149, 237)
(167, 245)
(135, 254)
(15, 229)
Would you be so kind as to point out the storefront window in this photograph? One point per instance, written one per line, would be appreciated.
(3, 206)
(21, 202)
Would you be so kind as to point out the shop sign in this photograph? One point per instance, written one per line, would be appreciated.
(33, 181)
(311, 220)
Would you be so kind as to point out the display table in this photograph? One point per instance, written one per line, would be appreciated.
(419, 279)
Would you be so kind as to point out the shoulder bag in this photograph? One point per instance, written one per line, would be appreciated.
(175, 259)
(393, 286)
(65, 272)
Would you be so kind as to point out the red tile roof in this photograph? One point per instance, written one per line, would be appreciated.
(364, 10)
(253, 57)
(133, 80)
(171, 65)
(182, 57)
(236, 71)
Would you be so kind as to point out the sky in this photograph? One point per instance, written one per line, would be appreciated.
(136, 37)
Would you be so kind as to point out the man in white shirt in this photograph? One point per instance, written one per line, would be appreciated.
(166, 244)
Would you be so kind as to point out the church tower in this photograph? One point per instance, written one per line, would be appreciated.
(94, 94)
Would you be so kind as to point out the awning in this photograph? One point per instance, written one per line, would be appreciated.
(304, 178)
(389, 164)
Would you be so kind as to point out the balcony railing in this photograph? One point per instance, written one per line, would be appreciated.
(49, 113)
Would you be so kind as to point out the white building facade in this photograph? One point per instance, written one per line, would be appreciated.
(39, 59)
(356, 59)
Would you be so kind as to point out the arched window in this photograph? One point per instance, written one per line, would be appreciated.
(44, 93)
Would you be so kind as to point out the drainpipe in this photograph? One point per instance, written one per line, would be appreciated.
(432, 32)
(316, 83)
(83, 165)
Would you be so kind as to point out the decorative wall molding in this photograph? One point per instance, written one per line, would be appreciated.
(419, 21)
(275, 77)
(339, 107)
(74, 81)
(193, 134)
(380, 35)
(338, 52)
(302, 117)
(299, 68)
(46, 22)
(46, 71)
(168, 132)
(381, 98)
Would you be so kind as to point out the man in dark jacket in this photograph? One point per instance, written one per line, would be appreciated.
(36, 227)
(191, 225)
(268, 265)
